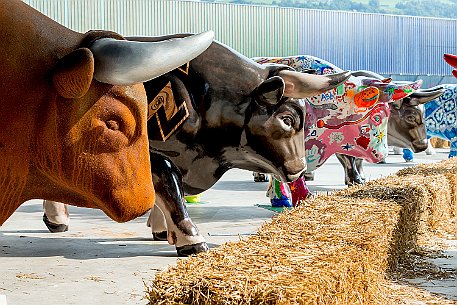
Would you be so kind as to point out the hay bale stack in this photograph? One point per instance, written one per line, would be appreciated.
(446, 171)
(331, 250)
(336, 249)
(428, 206)
(448, 166)
(439, 143)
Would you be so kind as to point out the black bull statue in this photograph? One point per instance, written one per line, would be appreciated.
(234, 113)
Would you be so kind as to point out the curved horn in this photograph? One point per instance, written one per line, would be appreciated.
(422, 97)
(300, 85)
(123, 62)
(405, 90)
(367, 73)
(432, 89)
(451, 59)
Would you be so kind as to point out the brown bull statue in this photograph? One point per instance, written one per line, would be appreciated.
(73, 113)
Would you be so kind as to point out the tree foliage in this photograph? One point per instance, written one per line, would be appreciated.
(430, 8)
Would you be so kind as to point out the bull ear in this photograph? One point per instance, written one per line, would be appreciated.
(397, 104)
(300, 85)
(270, 92)
(73, 74)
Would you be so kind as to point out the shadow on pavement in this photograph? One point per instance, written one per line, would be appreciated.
(13, 245)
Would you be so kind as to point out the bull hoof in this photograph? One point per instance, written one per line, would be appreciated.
(160, 236)
(355, 181)
(309, 176)
(54, 228)
(261, 178)
(189, 250)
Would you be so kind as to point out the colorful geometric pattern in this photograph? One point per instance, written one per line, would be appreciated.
(441, 117)
(350, 119)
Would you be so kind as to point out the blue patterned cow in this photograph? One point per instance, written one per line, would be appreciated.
(441, 117)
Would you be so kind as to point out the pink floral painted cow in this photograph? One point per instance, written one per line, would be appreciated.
(350, 119)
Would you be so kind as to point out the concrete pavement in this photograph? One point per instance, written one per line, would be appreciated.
(102, 262)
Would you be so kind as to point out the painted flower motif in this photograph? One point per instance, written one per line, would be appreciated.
(337, 137)
(439, 115)
(449, 105)
(450, 119)
(455, 91)
(430, 124)
(446, 96)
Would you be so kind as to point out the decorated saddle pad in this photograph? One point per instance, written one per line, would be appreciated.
(166, 109)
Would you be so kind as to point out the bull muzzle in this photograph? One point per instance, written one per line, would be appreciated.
(419, 145)
(294, 169)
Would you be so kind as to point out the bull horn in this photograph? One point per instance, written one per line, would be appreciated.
(451, 59)
(367, 73)
(300, 85)
(414, 86)
(123, 62)
(432, 89)
(422, 97)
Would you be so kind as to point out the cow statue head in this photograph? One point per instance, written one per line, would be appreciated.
(275, 121)
(451, 60)
(241, 115)
(349, 119)
(406, 126)
(74, 113)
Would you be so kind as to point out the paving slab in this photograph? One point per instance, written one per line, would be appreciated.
(99, 261)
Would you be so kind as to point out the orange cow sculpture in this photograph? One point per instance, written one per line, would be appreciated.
(73, 113)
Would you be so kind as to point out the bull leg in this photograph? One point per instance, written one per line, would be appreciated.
(157, 223)
(408, 155)
(170, 199)
(397, 151)
(299, 191)
(453, 150)
(56, 216)
(351, 175)
(309, 176)
(359, 167)
(430, 149)
(279, 194)
(260, 177)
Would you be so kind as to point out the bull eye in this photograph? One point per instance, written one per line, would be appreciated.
(411, 119)
(112, 124)
(288, 121)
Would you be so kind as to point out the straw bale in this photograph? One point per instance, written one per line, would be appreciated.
(439, 143)
(338, 249)
(331, 250)
(448, 166)
(428, 202)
